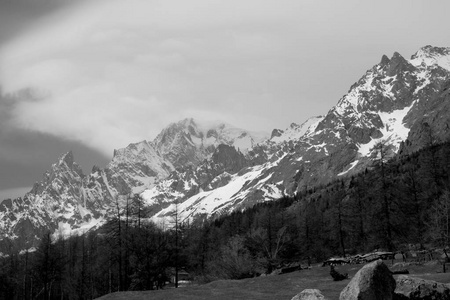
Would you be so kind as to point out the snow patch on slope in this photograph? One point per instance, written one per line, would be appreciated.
(352, 99)
(209, 201)
(163, 188)
(352, 165)
(295, 132)
(66, 230)
(222, 199)
(394, 130)
(424, 78)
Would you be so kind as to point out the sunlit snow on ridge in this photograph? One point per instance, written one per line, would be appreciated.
(394, 130)
(66, 230)
(210, 202)
(424, 59)
(295, 132)
(352, 165)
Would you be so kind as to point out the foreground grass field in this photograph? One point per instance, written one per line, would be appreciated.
(282, 287)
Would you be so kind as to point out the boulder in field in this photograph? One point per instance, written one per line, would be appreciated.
(416, 288)
(309, 294)
(374, 281)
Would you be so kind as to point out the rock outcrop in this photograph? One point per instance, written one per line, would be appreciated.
(374, 281)
(412, 288)
(309, 294)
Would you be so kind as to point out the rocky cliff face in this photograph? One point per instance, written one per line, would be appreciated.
(212, 169)
(59, 203)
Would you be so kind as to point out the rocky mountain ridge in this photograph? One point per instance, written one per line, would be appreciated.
(68, 202)
(213, 169)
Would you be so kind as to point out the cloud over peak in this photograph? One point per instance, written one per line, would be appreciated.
(117, 71)
(110, 72)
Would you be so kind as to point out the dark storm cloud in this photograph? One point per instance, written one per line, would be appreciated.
(26, 155)
(18, 15)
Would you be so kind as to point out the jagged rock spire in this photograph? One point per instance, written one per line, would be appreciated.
(68, 159)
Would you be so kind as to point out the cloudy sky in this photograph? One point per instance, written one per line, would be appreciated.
(93, 76)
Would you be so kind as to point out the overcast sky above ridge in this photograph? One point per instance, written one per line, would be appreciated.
(111, 72)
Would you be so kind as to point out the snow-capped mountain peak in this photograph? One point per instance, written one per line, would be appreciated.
(212, 168)
(190, 141)
(430, 56)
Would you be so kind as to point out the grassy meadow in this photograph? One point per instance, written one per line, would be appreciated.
(276, 287)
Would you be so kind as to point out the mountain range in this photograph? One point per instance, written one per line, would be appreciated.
(205, 170)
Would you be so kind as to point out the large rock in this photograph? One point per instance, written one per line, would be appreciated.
(416, 288)
(309, 294)
(373, 282)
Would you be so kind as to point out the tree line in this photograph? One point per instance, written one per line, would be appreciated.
(396, 202)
